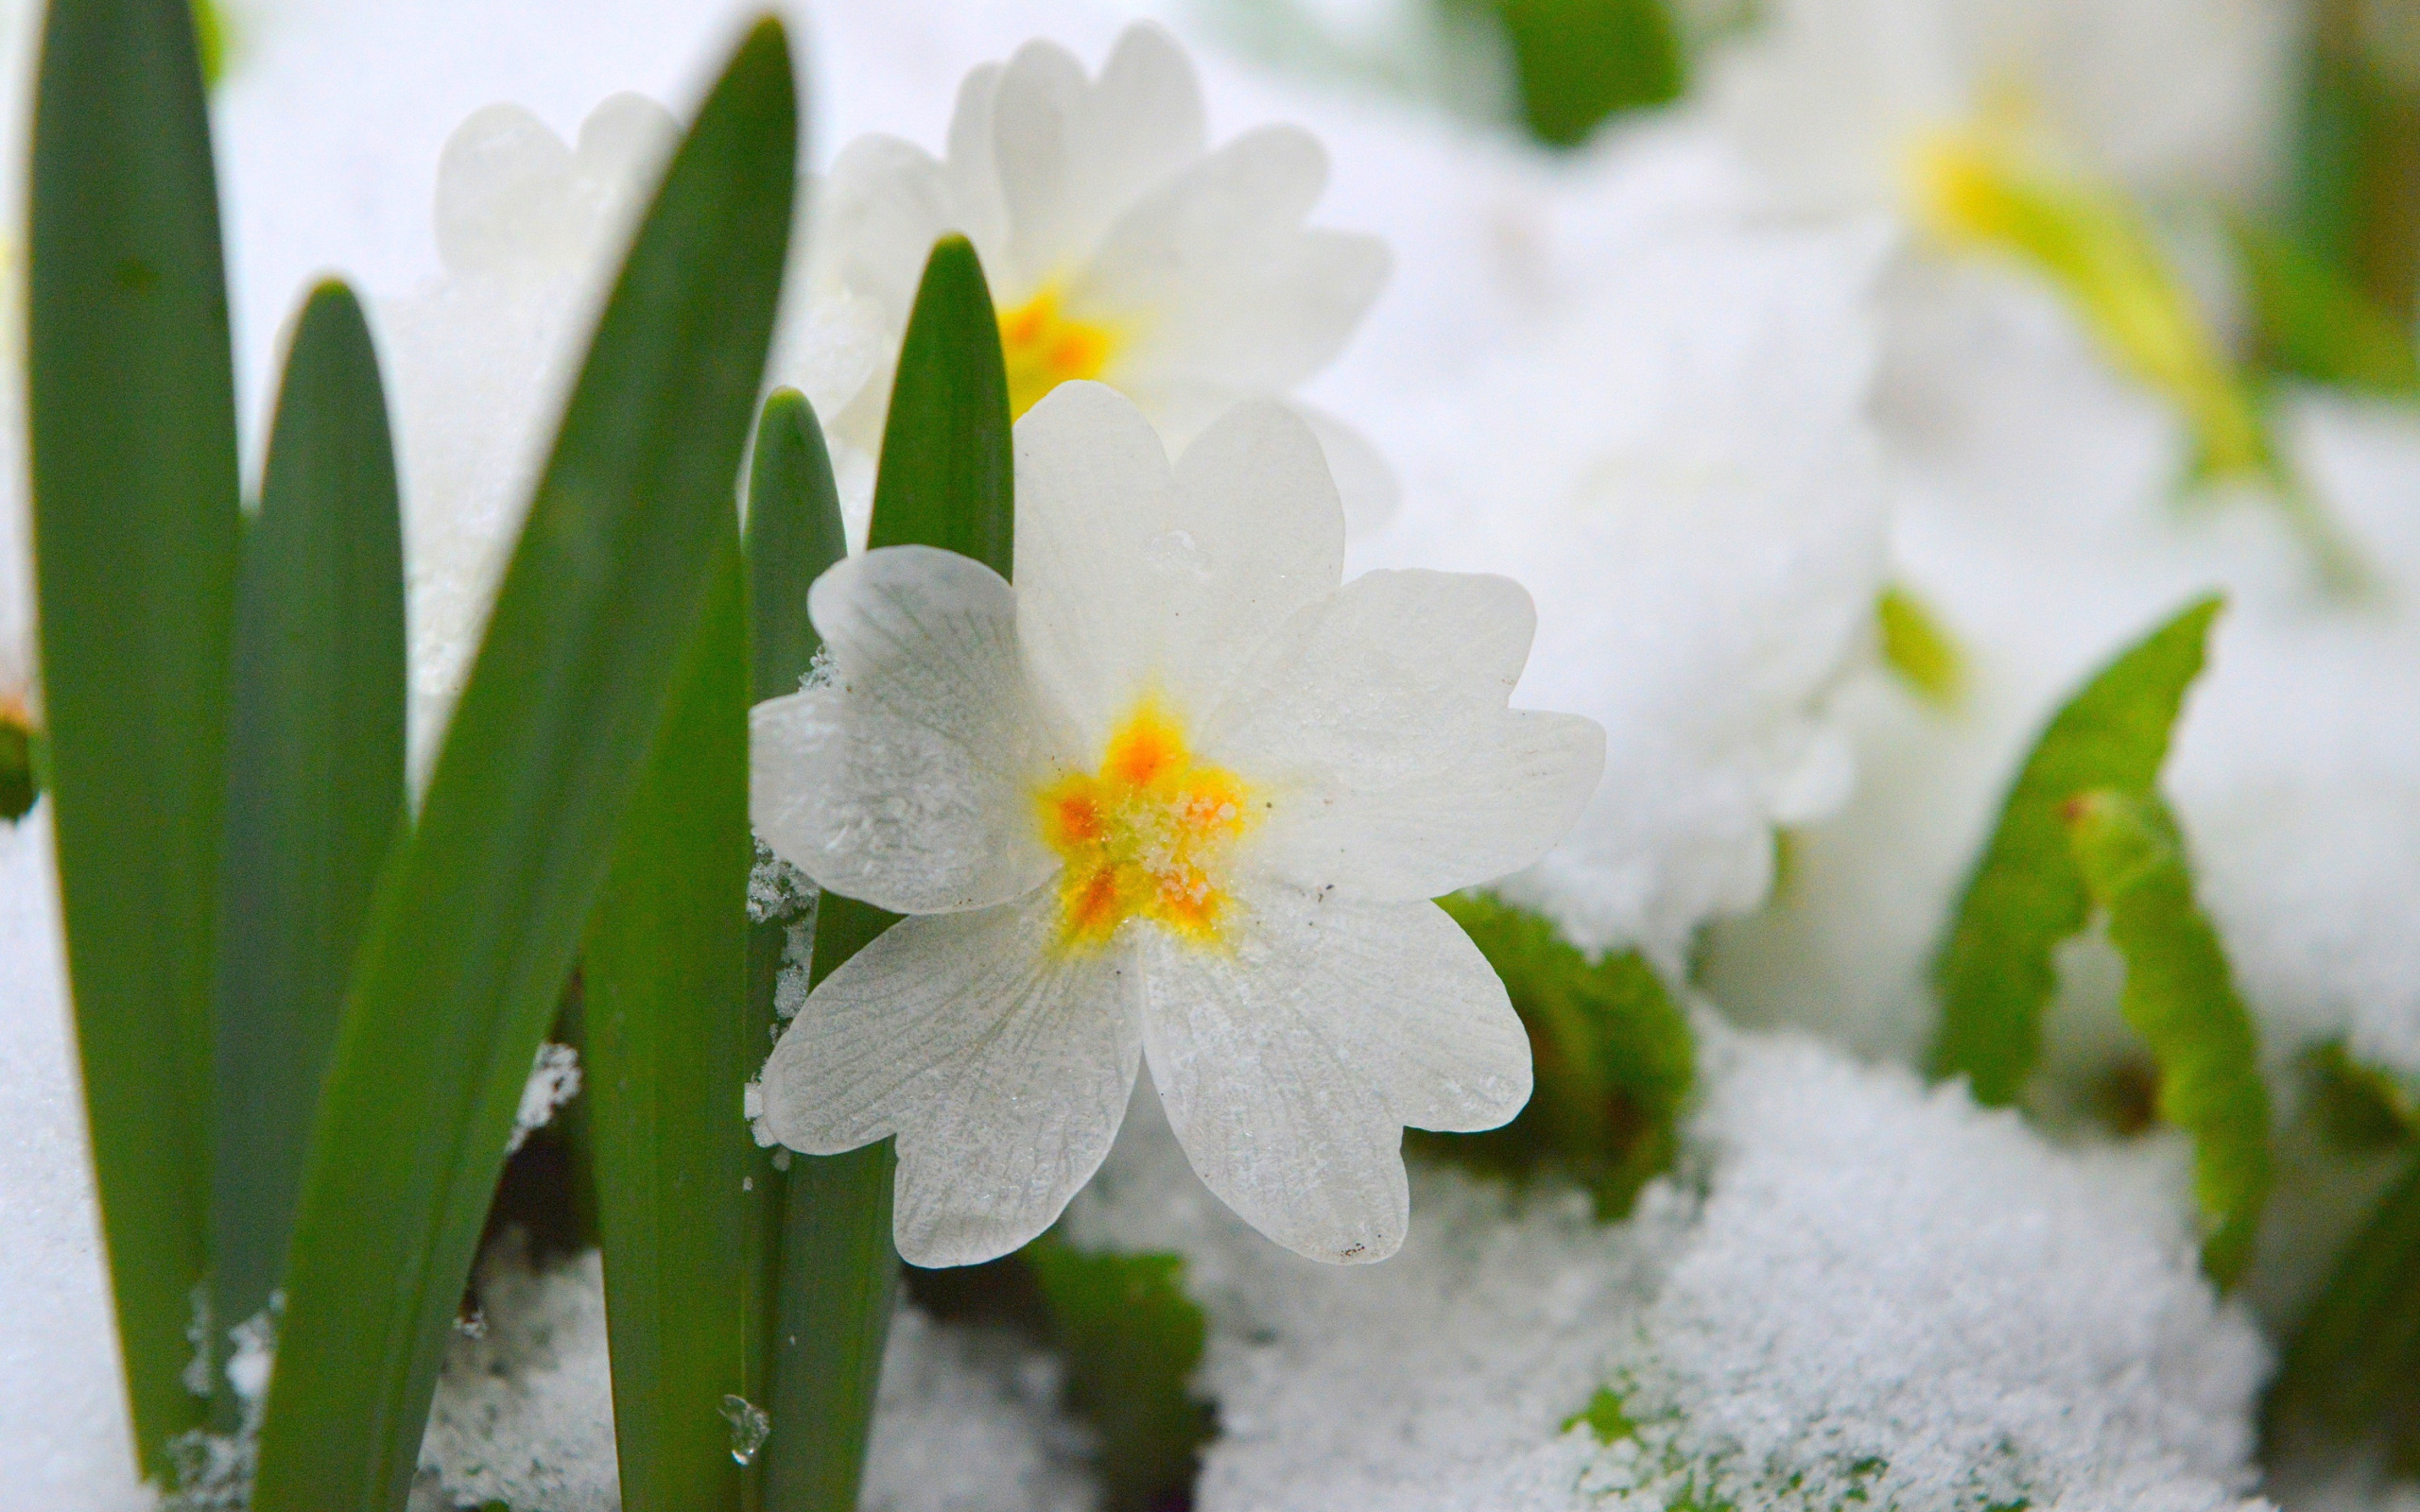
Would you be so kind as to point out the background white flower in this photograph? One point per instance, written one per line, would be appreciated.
(1117, 248)
(1175, 796)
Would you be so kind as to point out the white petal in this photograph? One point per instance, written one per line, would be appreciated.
(1376, 723)
(876, 219)
(1289, 1063)
(1216, 274)
(1002, 1067)
(1034, 111)
(908, 780)
(1366, 483)
(1132, 580)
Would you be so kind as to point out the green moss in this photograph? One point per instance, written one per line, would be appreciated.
(1130, 1339)
(1604, 1416)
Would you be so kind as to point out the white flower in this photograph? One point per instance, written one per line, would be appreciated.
(1174, 797)
(1688, 483)
(1117, 246)
(1840, 101)
(478, 363)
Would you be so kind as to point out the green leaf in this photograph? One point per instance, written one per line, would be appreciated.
(1608, 1423)
(19, 786)
(664, 970)
(947, 471)
(2353, 1362)
(1917, 646)
(2316, 323)
(2359, 1107)
(946, 480)
(132, 429)
(2350, 197)
(316, 782)
(1995, 972)
(794, 534)
(476, 924)
(1614, 1057)
(1130, 1340)
(2181, 999)
(1582, 60)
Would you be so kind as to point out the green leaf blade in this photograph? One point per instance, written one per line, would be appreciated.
(1583, 61)
(794, 535)
(666, 972)
(2180, 997)
(946, 479)
(1994, 973)
(316, 781)
(2355, 1354)
(132, 431)
(476, 922)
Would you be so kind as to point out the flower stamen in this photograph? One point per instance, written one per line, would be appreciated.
(1044, 349)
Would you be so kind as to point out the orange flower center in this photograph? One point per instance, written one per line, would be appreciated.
(1144, 838)
(1043, 349)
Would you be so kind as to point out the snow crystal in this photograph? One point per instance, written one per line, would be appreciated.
(967, 1421)
(776, 889)
(553, 1081)
(64, 1441)
(1851, 1270)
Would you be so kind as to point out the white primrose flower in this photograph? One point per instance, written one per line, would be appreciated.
(1176, 797)
(1117, 248)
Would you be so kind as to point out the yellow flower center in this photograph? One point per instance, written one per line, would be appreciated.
(1044, 349)
(1143, 837)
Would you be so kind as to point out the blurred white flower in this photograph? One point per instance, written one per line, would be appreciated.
(478, 362)
(1177, 797)
(1117, 246)
(1682, 476)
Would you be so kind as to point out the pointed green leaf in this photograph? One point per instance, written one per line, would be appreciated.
(2316, 323)
(794, 534)
(946, 480)
(2353, 1362)
(946, 467)
(669, 1054)
(2181, 999)
(19, 786)
(1994, 973)
(2359, 1107)
(1130, 1340)
(316, 781)
(476, 924)
(1614, 1055)
(132, 408)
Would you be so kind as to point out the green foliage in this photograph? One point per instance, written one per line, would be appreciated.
(794, 534)
(18, 783)
(2351, 198)
(1608, 1423)
(668, 1052)
(1614, 1055)
(1583, 61)
(2352, 1364)
(2316, 323)
(314, 782)
(132, 429)
(946, 480)
(2359, 1106)
(1130, 1340)
(946, 477)
(1917, 646)
(210, 34)
(476, 923)
(2181, 999)
(1995, 972)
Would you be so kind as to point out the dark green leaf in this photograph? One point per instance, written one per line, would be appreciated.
(670, 1052)
(946, 480)
(1614, 1057)
(474, 927)
(316, 781)
(1917, 646)
(18, 784)
(1607, 1420)
(2316, 323)
(2351, 199)
(1130, 1340)
(1582, 60)
(1995, 972)
(946, 468)
(794, 534)
(135, 521)
(2181, 999)
(2354, 1359)
(2359, 1107)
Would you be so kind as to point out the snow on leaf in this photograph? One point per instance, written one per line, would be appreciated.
(1994, 973)
(1613, 1053)
(2180, 998)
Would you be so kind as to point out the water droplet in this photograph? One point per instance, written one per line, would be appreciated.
(750, 1425)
